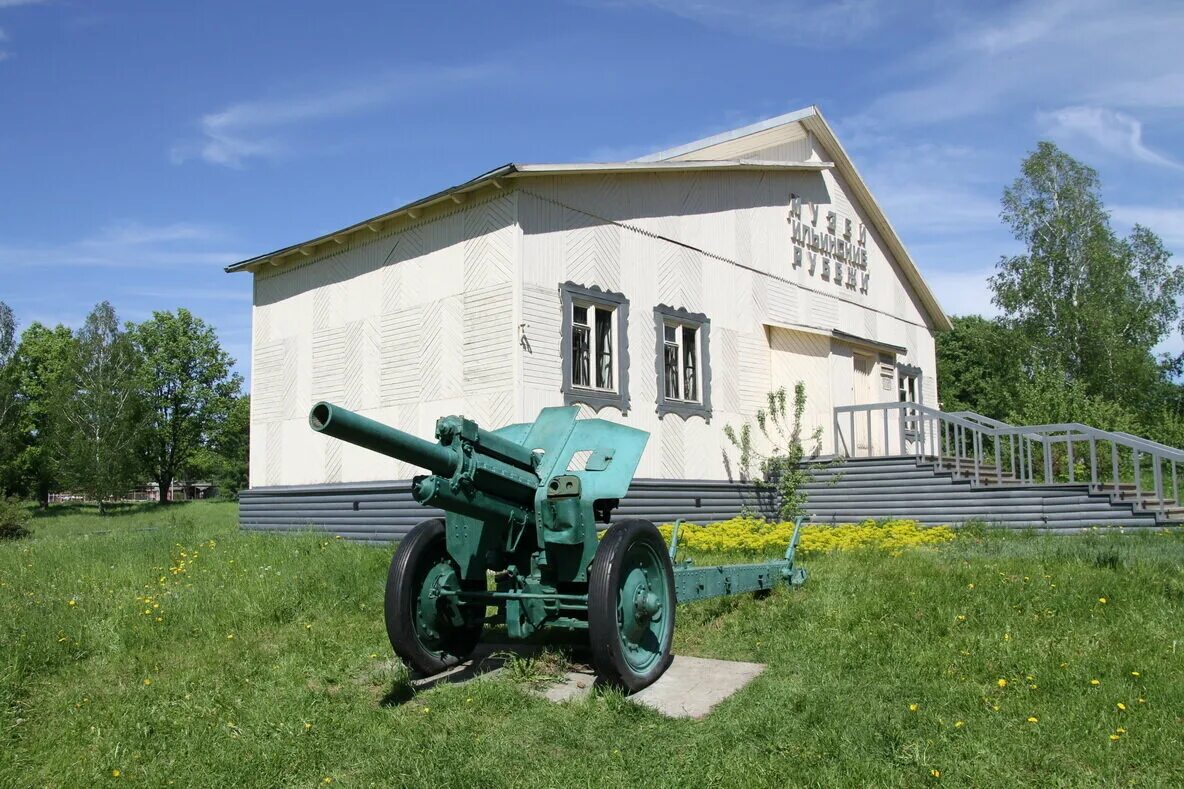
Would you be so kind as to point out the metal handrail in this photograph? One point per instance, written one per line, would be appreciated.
(964, 441)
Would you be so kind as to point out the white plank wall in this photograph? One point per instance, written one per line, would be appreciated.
(460, 313)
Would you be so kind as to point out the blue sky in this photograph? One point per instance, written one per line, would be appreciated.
(145, 145)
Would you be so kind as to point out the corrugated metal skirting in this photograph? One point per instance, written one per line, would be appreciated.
(385, 511)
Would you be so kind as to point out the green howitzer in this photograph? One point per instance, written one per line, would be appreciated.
(523, 504)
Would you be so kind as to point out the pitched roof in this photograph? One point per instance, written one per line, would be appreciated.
(721, 152)
(495, 178)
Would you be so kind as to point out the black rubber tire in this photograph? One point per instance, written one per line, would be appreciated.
(604, 583)
(422, 548)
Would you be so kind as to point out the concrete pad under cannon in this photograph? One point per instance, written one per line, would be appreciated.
(690, 688)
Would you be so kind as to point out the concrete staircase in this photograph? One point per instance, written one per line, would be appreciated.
(886, 487)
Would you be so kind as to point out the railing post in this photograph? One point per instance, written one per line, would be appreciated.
(1175, 486)
(1157, 478)
(1047, 461)
(1138, 480)
(887, 442)
(1093, 462)
(1011, 446)
(978, 453)
(869, 432)
(1069, 448)
(1114, 464)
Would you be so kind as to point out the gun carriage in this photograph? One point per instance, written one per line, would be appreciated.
(522, 505)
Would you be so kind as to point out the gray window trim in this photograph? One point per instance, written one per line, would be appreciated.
(662, 313)
(597, 400)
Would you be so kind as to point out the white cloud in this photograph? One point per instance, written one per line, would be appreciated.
(1167, 223)
(1113, 132)
(128, 246)
(1085, 51)
(263, 128)
(806, 24)
(963, 292)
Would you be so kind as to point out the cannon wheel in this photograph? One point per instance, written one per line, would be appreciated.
(418, 620)
(631, 605)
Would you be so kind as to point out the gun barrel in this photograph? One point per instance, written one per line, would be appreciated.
(344, 424)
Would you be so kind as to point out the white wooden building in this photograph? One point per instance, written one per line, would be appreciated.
(671, 293)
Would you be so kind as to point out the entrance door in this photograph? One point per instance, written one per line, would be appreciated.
(863, 392)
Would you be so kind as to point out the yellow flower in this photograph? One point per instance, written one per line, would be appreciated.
(307, 725)
(115, 773)
(913, 707)
(71, 602)
(230, 637)
(1135, 674)
(426, 710)
(327, 780)
(1095, 682)
(959, 724)
(1121, 706)
(1113, 738)
(961, 617)
(1002, 682)
(1102, 600)
(1120, 730)
(1142, 701)
(147, 681)
(1033, 719)
(935, 773)
(969, 586)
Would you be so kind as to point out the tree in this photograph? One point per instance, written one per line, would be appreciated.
(224, 459)
(1085, 302)
(9, 404)
(782, 463)
(187, 386)
(41, 362)
(978, 366)
(96, 409)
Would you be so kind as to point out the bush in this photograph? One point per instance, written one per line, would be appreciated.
(13, 519)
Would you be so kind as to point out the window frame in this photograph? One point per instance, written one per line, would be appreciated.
(910, 373)
(573, 295)
(664, 314)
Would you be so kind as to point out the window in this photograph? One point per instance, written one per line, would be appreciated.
(681, 360)
(684, 375)
(594, 347)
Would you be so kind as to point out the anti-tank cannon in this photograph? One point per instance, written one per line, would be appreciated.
(523, 503)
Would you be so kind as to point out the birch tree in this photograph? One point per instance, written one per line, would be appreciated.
(1085, 301)
(96, 410)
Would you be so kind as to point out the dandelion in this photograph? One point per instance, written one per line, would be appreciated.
(1095, 682)
(913, 707)
(1120, 730)
(116, 773)
(1002, 682)
(935, 773)
(426, 710)
(1135, 674)
(1114, 738)
(1033, 719)
(230, 637)
(469, 700)
(147, 681)
(961, 617)
(327, 779)
(969, 586)
(307, 725)
(1142, 701)
(959, 724)
(1102, 600)
(307, 626)
(72, 602)
(1121, 706)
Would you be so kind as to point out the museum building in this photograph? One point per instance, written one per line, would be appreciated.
(672, 293)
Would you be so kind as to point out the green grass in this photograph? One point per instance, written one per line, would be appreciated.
(270, 667)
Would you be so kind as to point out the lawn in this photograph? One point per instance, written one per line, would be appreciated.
(165, 647)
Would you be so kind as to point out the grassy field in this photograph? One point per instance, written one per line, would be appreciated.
(167, 648)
